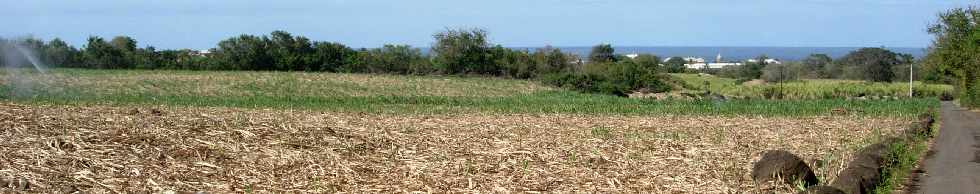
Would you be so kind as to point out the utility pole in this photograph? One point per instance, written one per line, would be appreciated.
(910, 79)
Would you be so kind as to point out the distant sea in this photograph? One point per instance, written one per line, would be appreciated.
(736, 53)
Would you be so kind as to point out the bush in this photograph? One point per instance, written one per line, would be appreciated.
(602, 53)
(971, 97)
(875, 64)
(675, 65)
(617, 79)
(552, 60)
(398, 59)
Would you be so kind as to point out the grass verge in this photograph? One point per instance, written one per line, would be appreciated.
(904, 155)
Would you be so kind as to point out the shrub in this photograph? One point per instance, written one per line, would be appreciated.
(398, 59)
(675, 65)
(971, 97)
(875, 64)
(602, 53)
(611, 78)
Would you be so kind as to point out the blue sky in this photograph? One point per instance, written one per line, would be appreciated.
(200, 24)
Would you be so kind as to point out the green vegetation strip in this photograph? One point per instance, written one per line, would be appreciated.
(374, 93)
(539, 102)
(811, 88)
(903, 155)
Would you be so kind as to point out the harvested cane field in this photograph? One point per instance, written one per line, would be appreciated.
(63, 148)
(125, 131)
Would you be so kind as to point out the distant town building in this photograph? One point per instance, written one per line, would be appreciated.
(689, 60)
(633, 55)
(768, 61)
(710, 65)
(700, 63)
(201, 53)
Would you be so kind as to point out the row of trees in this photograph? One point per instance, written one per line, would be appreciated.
(120, 52)
(455, 52)
(955, 49)
(871, 64)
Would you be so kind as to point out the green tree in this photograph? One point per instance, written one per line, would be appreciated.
(816, 65)
(875, 64)
(675, 65)
(58, 53)
(398, 59)
(753, 69)
(460, 51)
(245, 52)
(648, 61)
(124, 43)
(330, 56)
(954, 51)
(552, 60)
(516, 63)
(288, 53)
(100, 54)
(602, 53)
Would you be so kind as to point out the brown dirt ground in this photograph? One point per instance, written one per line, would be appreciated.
(102, 149)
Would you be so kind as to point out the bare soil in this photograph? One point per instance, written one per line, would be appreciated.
(101, 149)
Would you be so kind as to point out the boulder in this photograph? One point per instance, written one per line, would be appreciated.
(823, 189)
(864, 172)
(156, 112)
(782, 164)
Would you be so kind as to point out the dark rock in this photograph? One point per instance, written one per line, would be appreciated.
(156, 112)
(864, 172)
(778, 163)
(134, 111)
(823, 189)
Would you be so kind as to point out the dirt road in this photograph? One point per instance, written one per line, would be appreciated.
(955, 165)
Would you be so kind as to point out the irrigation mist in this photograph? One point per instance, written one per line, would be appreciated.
(22, 70)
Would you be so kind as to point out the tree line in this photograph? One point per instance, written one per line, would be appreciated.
(455, 52)
(469, 52)
(869, 64)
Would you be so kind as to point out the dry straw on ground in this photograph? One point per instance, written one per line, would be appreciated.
(127, 149)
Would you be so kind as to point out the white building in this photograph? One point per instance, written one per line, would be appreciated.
(710, 65)
(690, 60)
(201, 53)
(768, 61)
(699, 63)
(633, 55)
